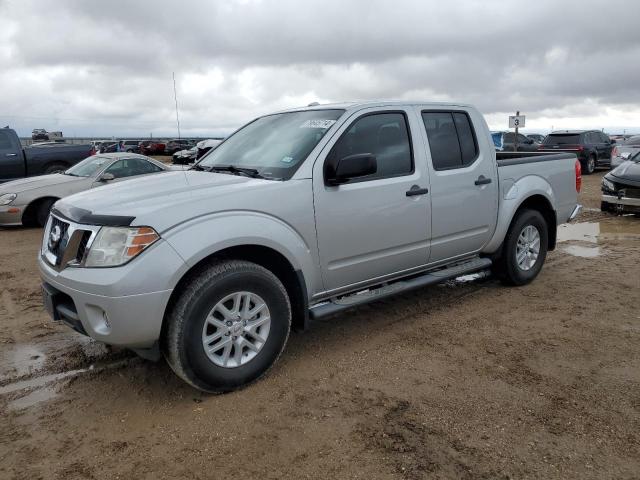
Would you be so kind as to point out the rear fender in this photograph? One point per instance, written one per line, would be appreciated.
(513, 194)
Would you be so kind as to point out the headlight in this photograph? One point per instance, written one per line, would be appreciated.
(608, 185)
(114, 246)
(7, 198)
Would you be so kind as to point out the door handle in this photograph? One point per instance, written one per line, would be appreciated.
(482, 180)
(416, 190)
(11, 154)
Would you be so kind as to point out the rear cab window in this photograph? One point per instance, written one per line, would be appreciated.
(562, 139)
(452, 139)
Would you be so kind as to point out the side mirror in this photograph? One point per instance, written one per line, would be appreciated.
(352, 166)
(106, 177)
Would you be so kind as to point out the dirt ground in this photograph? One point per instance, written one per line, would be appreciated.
(465, 380)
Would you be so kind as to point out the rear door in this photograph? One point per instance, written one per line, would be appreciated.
(464, 186)
(370, 228)
(11, 156)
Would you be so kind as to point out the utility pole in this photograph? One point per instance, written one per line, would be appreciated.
(515, 138)
(175, 97)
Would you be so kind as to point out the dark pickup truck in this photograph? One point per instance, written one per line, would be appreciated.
(19, 162)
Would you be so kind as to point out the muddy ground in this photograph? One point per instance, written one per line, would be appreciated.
(465, 380)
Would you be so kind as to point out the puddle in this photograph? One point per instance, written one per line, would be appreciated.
(472, 277)
(584, 252)
(595, 233)
(44, 388)
(38, 382)
(33, 398)
(24, 359)
(584, 231)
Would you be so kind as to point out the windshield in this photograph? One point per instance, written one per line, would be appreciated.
(562, 139)
(87, 167)
(275, 145)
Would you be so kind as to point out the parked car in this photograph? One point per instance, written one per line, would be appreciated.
(176, 145)
(624, 151)
(206, 145)
(536, 137)
(17, 161)
(39, 134)
(621, 188)
(109, 147)
(28, 201)
(503, 141)
(131, 146)
(592, 147)
(184, 157)
(300, 214)
(151, 147)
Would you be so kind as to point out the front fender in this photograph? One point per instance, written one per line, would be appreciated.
(512, 195)
(202, 237)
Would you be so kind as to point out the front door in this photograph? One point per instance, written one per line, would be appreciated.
(370, 227)
(464, 185)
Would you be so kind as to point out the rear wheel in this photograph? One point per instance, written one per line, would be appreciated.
(55, 168)
(525, 249)
(590, 165)
(228, 327)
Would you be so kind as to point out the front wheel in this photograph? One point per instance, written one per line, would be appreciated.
(228, 326)
(525, 249)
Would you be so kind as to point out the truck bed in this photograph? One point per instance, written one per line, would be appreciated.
(518, 158)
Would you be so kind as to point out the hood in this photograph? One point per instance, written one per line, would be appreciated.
(627, 172)
(31, 183)
(162, 201)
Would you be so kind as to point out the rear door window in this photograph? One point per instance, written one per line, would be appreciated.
(452, 140)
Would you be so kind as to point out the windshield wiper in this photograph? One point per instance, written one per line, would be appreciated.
(247, 172)
(198, 168)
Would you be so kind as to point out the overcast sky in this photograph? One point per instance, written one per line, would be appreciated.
(105, 67)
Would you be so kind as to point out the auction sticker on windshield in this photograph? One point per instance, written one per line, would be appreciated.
(317, 124)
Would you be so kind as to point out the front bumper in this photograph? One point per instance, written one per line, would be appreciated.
(11, 215)
(121, 306)
(622, 204)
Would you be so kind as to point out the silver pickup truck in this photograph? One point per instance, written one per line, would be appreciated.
(298, 215)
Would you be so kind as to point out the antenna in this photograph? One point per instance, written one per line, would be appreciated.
(175, 97)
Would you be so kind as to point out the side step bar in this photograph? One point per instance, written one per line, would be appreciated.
(339, 304)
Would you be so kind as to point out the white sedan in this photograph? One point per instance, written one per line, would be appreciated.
(29, 200)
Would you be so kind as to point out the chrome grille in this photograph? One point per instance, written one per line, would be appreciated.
(629, 192)
(67, 246)
(58, 248)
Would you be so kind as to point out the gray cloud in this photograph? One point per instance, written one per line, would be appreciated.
(93, 68)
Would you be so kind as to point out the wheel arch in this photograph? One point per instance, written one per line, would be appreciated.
(267, 257)
(541, 204)
(30, 213)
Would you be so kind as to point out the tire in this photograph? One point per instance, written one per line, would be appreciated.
(606, 207)
(189, 322)
(55, 168)
(42, 213)
(590, 165)
(507, 267)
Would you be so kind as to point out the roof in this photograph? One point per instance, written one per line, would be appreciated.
(119, 155)
(573, 132)
(357, 105)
